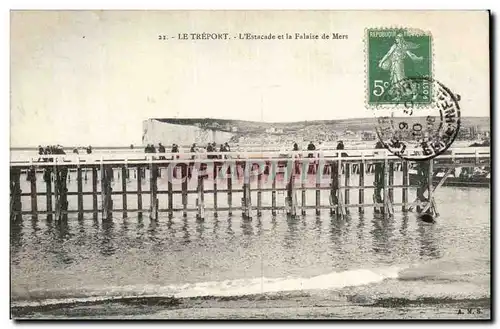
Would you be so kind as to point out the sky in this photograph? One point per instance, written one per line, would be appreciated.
(92, 77)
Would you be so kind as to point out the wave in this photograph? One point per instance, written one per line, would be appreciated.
(211, 289)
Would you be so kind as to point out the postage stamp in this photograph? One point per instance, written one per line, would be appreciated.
(393, 56)
(423, 133)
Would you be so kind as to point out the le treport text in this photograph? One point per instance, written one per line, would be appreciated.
(255, 36)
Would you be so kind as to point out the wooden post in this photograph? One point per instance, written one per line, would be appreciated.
(319, 172)
(259, 192)
(103, 188)
(386, 190)
(333, 186)
(56, 191)
(48, 188)
(246, 191)
(391, 181)
(153, 203)
(347, 181)
(139, 189)
(362, 185)
(34, 202)
(80, 191)
(124, 191)
(63, 192)
(340, 209)
(274, 164)
(184, 189)
(303, 175)
(230, 188)
(170, 171)
(405, 186)
(290, 200)
(95, 207)
(200, 202)
(107, 173)
(215, 188)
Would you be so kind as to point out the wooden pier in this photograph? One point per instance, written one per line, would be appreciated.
(113, 184)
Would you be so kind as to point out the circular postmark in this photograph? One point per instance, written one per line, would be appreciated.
(414, 131)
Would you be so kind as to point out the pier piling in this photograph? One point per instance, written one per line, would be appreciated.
(124, 191)
(215, 189)
(347, 183)
(34, 201)
(361, 191)
(153, 186)
(381, 163)
(79, 191)
(95, 207)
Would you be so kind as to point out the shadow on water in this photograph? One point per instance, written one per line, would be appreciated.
(360, 230)
(259, 226)
(215, 230)
(428, 240)
(290, 239)
(382, 232)
(200, 228)
(318, 226)
(186, 238)
(153, 231)
(107, 247)
(229, 229)
(62, 235)
(34, 226)
(404, 225)
(247, 227)
(338, 228)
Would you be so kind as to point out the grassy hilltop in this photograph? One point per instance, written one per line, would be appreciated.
(354, 125)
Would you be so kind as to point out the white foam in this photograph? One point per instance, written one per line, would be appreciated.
(238, 287)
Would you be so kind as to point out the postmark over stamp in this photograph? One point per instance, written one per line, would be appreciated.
(393, 55)
(420, 134)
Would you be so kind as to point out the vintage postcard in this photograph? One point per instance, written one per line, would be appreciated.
(169, 164)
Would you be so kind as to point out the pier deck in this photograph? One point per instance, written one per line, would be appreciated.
(247, 182)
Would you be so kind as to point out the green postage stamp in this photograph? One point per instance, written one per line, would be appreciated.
(397, 60)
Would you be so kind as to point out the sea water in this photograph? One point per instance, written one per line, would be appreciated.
(364, 266)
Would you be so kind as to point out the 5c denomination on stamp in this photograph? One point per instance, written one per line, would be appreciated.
(393, 55)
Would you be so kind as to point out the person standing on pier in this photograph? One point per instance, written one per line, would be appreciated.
(295, 149)
(161, 149)
(60, 150)
(210, 149)
(89, 149)
(226, 146)
(311, 147)
(193, 150)
(175, 149)
(40, 152)
(46, 152)
(340, 146)
(222, 149)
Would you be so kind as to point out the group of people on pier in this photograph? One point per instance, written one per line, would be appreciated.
(50, 149)
(57, 149)
(210, 148)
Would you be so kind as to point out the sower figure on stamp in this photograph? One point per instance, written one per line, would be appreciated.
(394, 60)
